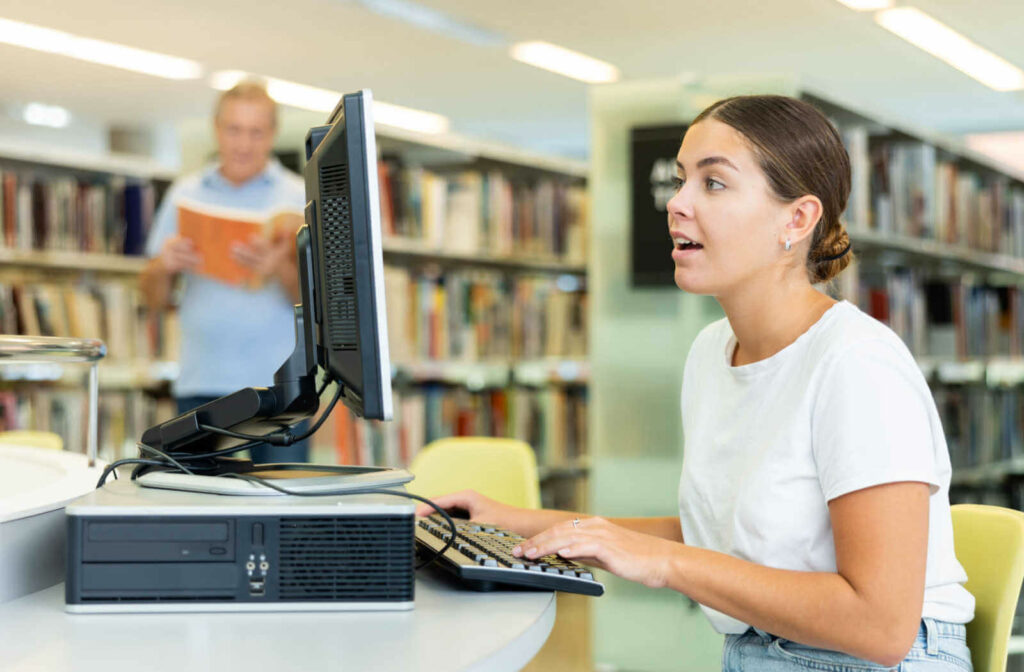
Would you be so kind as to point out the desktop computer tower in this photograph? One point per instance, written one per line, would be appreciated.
(141, 549)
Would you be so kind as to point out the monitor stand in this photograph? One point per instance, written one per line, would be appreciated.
(307, 479)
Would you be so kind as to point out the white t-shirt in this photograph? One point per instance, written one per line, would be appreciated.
(769, 444)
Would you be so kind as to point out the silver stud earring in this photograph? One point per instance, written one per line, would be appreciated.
(788, 245)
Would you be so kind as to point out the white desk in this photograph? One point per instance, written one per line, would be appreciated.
(450, 629)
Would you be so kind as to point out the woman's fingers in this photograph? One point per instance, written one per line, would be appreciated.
(551, 540)
(454, 500)
(585, 552)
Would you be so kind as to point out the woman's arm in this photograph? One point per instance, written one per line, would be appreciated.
(530, 522)
(869, 608)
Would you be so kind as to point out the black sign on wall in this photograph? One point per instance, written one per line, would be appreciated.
(653, 167)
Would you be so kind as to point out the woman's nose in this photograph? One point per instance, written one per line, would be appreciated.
(680, 204)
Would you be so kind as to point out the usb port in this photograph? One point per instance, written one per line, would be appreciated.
(257, 587)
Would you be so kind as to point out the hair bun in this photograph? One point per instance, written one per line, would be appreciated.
(832, 254)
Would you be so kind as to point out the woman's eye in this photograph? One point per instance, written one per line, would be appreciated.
(713, 185)
(678, 183)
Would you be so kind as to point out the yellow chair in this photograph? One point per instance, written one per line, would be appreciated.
(33, 438)
(990, 545)
(502, 469)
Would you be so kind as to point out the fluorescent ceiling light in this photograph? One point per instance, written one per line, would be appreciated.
(39, 114)
(324, 100)
(947, 45)
(564, 62)
(866, 5)
(433, 20)
(97, 51)
(407, 117)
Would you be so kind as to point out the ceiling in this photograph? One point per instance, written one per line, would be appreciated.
(340, 45)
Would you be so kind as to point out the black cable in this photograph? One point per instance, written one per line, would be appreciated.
(279, 438)
(323, 416)
(368, 491)
(191, 457)
(128, 460)
(144, 448)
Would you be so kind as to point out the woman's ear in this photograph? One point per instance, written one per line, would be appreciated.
(806, 212)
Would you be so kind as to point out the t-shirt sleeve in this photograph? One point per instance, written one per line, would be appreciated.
(165, 223)
(872, 421)
(292, 191)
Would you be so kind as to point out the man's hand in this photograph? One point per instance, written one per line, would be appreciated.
(267, 258)
(179, 254)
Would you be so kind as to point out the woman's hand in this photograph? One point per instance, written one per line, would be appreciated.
(595, 541)
(480, 509)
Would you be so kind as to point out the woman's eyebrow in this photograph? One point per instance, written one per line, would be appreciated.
(709, 161)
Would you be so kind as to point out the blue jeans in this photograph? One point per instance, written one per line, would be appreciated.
(939, 647)
(262, 453)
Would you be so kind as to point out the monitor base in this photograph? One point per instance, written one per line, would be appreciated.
(306, 479)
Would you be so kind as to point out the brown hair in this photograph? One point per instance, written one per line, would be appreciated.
(801, 153)
(249, 89)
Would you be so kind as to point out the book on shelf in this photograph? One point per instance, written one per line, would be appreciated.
(122, 415)
(910, 188)
(551, 419)
(484, 211)
(54, 212)
(111, 311)
(952, 319)
(984, 426)
(482, 315)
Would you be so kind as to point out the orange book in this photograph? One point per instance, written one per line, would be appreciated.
(214, 231)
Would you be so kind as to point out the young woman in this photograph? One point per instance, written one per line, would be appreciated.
(814, 525)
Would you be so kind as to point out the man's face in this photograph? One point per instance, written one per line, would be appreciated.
(245, 136)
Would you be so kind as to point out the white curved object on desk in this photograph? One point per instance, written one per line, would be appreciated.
(35, 485)
(450, 630)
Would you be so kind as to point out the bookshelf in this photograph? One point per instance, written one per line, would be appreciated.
(71, 229)
(939, 233)
(485, 242)
(486, 283)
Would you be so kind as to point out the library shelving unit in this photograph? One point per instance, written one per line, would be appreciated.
(72, 227)
(485, 256)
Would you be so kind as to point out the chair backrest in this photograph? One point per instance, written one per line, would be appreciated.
(990, 545)
(34, 438)
(502, 469)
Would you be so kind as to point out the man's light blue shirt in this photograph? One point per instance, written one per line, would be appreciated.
(231, 337)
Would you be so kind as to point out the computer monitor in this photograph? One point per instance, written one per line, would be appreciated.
(343, 215)
(340, 322)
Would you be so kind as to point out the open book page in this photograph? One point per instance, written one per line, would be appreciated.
(216, 230)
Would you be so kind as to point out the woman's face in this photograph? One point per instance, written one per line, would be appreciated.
(725, 223)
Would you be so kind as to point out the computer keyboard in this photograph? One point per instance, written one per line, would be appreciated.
(482, 559)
